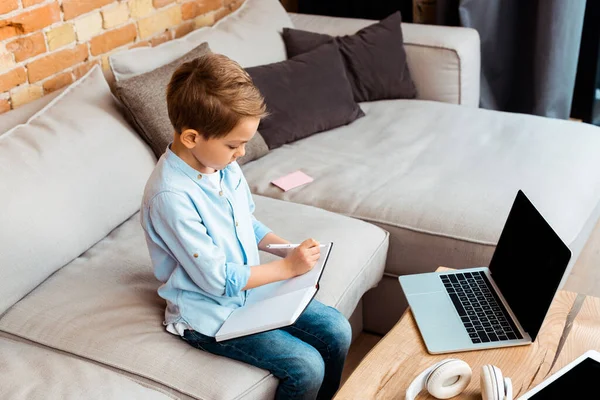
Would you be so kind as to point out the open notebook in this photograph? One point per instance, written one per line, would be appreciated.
(276, 304)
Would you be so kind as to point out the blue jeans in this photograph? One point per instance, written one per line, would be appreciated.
(307, 357)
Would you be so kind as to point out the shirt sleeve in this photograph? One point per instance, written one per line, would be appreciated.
(260, 229)
(178, 224)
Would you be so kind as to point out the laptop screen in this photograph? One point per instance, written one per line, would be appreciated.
(528, 264)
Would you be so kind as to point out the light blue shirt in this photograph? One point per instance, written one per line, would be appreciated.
(202, 241)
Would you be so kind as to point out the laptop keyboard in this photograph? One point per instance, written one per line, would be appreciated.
(481, 311)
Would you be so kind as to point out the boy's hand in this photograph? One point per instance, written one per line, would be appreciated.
(303, 258)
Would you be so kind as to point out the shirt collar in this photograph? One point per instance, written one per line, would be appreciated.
(192, 173)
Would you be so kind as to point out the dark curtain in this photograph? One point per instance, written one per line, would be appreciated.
(529, 51)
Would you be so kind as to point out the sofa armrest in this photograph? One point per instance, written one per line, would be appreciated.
(444, 61)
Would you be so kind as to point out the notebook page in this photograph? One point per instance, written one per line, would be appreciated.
(308, 280)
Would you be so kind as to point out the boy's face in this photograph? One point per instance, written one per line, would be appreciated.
(218, 153)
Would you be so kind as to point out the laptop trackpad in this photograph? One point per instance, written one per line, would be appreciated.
(439, 322)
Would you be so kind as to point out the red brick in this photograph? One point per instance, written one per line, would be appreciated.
(184, 29)
(74, 8)
(83, 69)
(29, 3)
(58, 82)
(113, 39)
(4, 106)
(159, 22)
(12, 78)
(27, 47)
(198, 7)
(161, 3)
(188, 10)
(164, 37)
(56, 62)
(7, 6)
(29, 21)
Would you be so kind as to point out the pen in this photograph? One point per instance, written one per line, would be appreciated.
(287, 246)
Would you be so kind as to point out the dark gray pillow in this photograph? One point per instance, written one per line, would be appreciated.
(374, 57)
(144, 98)
(306, 94)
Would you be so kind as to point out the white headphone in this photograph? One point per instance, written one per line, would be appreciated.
(493, 385)
(448, 378)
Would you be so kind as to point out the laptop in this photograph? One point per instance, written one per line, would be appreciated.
(500, 306)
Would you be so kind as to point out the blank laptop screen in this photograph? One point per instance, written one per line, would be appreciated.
(528, 264)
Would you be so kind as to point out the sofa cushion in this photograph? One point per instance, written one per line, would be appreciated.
(32, 372)
(67, 178)
(110, 312)
(443, 176)
(374, 58)
(251, 36)
(306, 94)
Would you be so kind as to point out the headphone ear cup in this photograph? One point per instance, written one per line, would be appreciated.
(488, 391)
(449, 379)
(499, 382)
(508, 390)
(492, 383)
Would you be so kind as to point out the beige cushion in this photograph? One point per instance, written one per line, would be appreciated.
(109, 311)
(442, 178)
(31, 372)
(250, 35)
(68, 177)
(444, 61)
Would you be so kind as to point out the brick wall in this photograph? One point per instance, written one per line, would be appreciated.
(48, 44)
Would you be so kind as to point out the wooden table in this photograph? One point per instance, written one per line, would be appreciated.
(571, 328)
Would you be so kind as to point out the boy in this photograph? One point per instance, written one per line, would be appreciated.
(197, 214)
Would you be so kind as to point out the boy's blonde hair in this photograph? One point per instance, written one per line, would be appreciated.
(210, 94)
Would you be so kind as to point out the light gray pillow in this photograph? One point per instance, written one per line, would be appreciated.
(68, 176)
(21, 114)
(145, 101)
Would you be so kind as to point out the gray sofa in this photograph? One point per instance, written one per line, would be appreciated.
(439, 177)
(412, 185)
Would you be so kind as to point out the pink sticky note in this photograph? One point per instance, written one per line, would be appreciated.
(292, 180)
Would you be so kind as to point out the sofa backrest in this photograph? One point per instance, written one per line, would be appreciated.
(444, 61)
(68, 176)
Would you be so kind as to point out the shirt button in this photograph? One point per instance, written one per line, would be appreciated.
(221, 193)
(199, 176)
(236, 223)
(195, 255)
